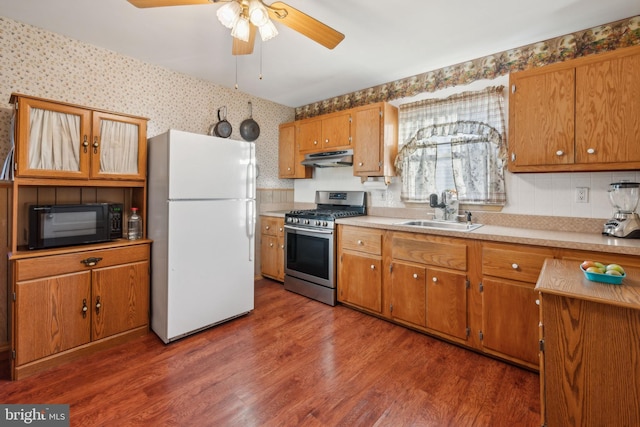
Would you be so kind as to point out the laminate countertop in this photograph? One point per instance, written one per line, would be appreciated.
(551, 238)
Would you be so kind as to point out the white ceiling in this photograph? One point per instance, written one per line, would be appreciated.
(385, 40)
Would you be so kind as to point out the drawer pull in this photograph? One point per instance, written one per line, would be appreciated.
(415, 275)
(281, 246)
(515, 266)
(266, 227)
(373, 267)
(270, 245)
(90, 262)
(84, 308)
(537, 302)
(98, 305)
(559, 153)
(591, 151)
(435, 279)
(360, 242)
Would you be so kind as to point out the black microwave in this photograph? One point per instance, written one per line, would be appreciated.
(65, 225)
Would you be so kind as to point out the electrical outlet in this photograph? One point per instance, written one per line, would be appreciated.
(582, 194)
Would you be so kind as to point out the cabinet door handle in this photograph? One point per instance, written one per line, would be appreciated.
(415, 275)
(315, 142)
(90, 262)
(360, 242)
(267, 227)
(591, 151)
(373, 267)
(326, 141)
(515, 266)
(270, 245)
(95, 145)
(435, 279)
(85, 144)
(84, 308)
(360, 164)
(98, 305)
(559, 153)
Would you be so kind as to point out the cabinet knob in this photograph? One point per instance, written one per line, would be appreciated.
(289, 169)
(435, 279)
(280, 229)
(373, 267)
(591, 151)
(415, 275)
(360, 164)
(326, 141)
(85, 144)
(84, 308)
(537, 302)
(515, 266)
(270, 245)
(315, 142)
(559, 153)
(95, 145)
(266, 227)
(281, 246)
(360, 242)
(98, 305)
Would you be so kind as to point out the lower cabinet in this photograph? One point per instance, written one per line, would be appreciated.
(360, 268)
(272, 247)
(509, 310)
(69, 304)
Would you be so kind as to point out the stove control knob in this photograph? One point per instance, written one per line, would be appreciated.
(326, 224)
(318, 223)
(306, 221)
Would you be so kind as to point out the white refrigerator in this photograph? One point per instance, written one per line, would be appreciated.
(201, 217)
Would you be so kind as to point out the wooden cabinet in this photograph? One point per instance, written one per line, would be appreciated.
(272, 247)
(589, 374)
(289, 156)
(58, 140)
(375, 140)
(360, 268)
(578, 115)
(70, 301)
(325, 133)
(429, 284)
(64, 303)
(509, 310)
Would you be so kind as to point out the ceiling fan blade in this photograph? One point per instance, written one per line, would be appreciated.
(244, 48)
(304, 24)
(163, 3)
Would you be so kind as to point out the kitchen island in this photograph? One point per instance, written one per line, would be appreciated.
(590, 372)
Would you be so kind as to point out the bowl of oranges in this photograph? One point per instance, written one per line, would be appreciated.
(605, 273)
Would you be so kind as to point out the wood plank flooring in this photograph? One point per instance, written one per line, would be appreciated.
(291, 362)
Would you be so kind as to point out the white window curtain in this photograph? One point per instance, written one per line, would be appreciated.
(470, 126)
(54, 140)
(118, 147)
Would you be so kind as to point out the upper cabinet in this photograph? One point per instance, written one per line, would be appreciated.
(375, 140)
(578, 115)
(58, 140)
(289, 156)
(324, 133)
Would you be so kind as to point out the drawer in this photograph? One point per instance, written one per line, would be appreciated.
(272, 226)
(430, 250)
(54, 265)
(522, 263)
(362, 240)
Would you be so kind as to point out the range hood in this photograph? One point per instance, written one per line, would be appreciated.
(329, 159)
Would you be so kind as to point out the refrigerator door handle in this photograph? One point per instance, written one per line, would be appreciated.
(251, 175)
(251, 224)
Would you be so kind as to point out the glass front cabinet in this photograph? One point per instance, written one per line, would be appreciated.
(58, 140)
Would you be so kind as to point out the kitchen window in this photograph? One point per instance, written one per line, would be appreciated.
(457, 143)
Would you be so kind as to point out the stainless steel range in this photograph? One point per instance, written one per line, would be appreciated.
(310, 252)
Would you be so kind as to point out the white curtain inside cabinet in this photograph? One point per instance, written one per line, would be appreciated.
(118, 147)
(54, 140)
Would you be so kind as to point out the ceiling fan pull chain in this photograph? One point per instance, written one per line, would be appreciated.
(261, 46)
(236, 73)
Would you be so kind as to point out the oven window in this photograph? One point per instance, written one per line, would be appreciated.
(308, 254)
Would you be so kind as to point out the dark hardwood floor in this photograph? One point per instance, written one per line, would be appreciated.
(291, 362)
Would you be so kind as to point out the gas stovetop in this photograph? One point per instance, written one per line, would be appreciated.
(330, 206)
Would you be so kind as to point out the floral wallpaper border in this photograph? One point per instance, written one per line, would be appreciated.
(603, 38)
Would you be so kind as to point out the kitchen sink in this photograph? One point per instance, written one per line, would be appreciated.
(440, 225)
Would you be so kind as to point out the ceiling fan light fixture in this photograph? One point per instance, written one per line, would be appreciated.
(258, 14)
(229, 14)
(241, 29)
(268, 31)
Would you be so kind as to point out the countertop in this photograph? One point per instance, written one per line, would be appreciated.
(551, 238)
(564, 278)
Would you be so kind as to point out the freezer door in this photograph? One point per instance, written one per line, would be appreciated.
(205, 167)
(210, 264)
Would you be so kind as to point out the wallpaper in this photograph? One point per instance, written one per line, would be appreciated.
(47, 65)
(622, 33)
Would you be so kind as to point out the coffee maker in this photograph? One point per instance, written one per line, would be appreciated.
(624, 197)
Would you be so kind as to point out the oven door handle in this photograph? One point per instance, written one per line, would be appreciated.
(308, 230)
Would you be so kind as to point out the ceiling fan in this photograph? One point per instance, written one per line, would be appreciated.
(243, 17)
